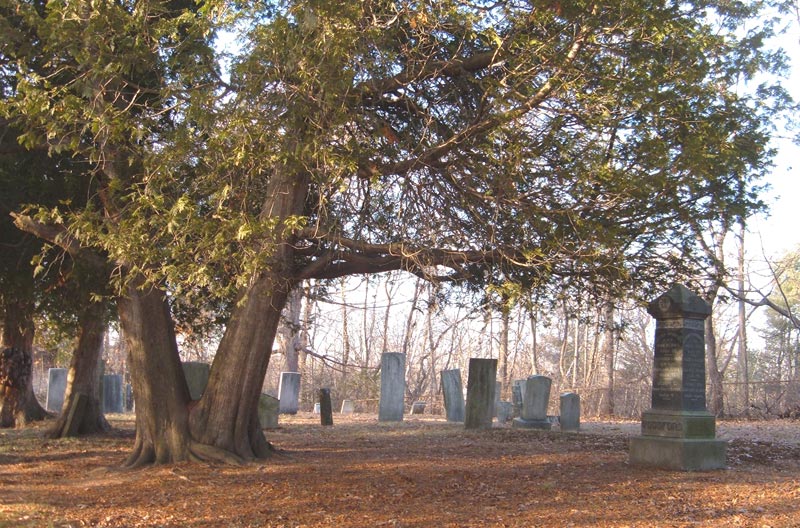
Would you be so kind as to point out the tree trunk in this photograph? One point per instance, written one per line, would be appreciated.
(606, 377)
(505, 321)
(226, 417)
(83, 379)
(18, 332)
(534, 351)
(292, 342)
(159, 386)
(743, 371)
(715, 394)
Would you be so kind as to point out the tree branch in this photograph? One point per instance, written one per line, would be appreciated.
(59, 236)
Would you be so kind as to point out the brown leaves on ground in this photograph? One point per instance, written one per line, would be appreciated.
(421, 472)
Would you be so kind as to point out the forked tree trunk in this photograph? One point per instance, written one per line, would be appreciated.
(82, 412)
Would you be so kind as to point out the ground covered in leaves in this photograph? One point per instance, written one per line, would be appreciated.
(421, 472)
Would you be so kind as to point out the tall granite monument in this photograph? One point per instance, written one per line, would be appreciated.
(678, 432)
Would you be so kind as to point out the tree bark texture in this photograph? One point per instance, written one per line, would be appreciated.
(19, 405)
(159, 386)
(83, 379)
(226, 417)
(606, 377)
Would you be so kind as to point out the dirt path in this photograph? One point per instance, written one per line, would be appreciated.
(417, 473)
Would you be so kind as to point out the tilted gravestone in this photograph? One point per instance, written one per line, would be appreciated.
(453, 395)
(678, 432)
(196, 373)
(348, 407)
(325, 407)
(112, 394)
(480, 393)
(289, 393)
(418, 407)
(56, 387)
(268, 411)
(393, 387)
(535, 398)
(570, 411)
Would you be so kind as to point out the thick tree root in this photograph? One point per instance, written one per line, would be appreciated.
(205, 453)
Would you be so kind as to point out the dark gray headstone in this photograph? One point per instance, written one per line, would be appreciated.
(418, 407)
(289, 392)
(393, 387)
(678, 432)
(453, 395)
(480, 393)
(56, 387)
(196, 373)
(268, 411)
(570, 411)
(112, 394)
(325, 407)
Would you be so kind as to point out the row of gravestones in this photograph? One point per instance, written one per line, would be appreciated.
(112, 390)
(677, 431)
(528, 407)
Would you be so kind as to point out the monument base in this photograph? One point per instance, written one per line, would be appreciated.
(522, 423)
(684, 454)
(679, 424)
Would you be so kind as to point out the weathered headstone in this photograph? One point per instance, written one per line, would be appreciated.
(289, 392)
(317, 408)
(56, 387)
(678, 432)
(325, 407)
(570, 411)
(480, 393)
(498, 389)
(516, 397)
(418, 407)
(535, 398)
(112, 394)
(268, 411)
(505, 411)
(196, 373)
(348, 407)
(393, 387)
(453, 395)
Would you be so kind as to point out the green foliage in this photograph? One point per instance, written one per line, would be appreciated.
(561, 144)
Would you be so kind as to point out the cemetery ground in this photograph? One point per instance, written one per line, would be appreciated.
(419, 472)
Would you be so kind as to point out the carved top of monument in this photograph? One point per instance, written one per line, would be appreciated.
(678, 302)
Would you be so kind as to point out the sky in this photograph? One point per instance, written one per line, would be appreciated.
(779, 231)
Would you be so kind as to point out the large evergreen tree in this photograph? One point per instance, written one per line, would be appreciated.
(537, 142)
